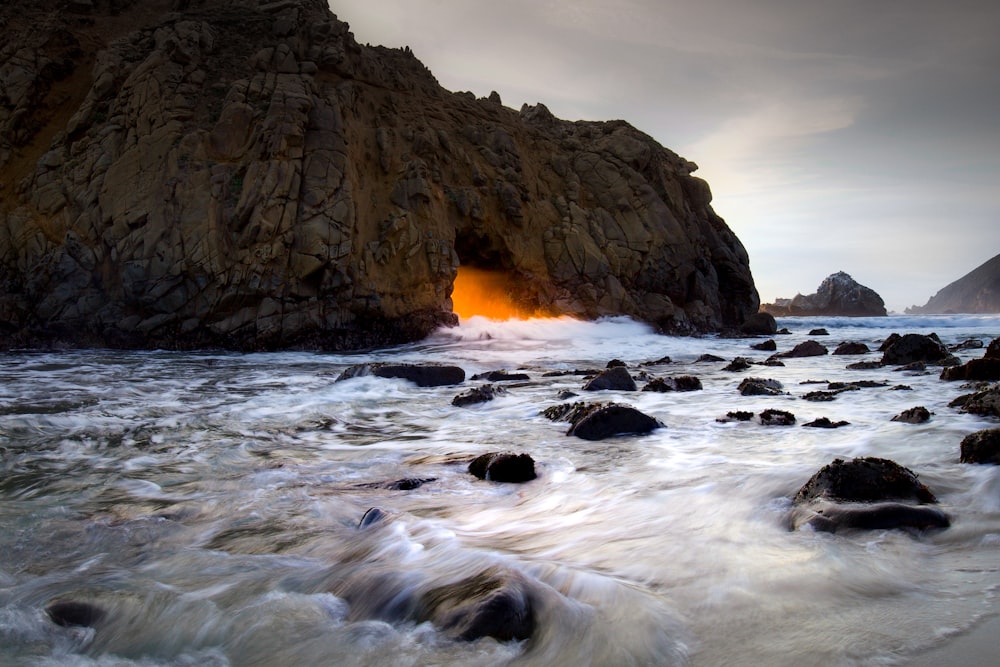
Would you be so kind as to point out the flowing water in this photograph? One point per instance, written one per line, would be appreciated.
(209, 504)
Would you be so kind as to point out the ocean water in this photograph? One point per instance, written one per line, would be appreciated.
(209, 504)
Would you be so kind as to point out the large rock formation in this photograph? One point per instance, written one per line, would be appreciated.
(976, 292)
(185, 173)
(838, 294)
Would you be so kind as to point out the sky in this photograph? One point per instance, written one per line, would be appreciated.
(836, 135)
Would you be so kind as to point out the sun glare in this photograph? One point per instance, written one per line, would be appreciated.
(488, 294)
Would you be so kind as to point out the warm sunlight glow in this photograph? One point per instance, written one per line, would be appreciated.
(488, 294)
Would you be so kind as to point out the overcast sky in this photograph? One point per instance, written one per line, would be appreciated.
(837, 135)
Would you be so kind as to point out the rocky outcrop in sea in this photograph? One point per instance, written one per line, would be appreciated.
(245, 174)
(838, 295)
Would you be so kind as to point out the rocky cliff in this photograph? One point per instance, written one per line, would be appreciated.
(976, 292)
(838, 295)
(188, 173)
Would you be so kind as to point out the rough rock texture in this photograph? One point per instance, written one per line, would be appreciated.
(976, 292)
(987, 368)
(422, 375)
(911, 348)
(981, 447)
(614, 378)
(242, 173)
(503, 467)
(838, 294)
(866, 479)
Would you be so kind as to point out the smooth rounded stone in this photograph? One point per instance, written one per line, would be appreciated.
(73, 613)
(881, 516)
(501, 376)
(423, 375)
(765, 346)
(917, 347)
(809, 348)
(917, 415)
(503, 467)
(493, 604)
(851, 348)
(819, 332)
(610, 420)
(736, 415)
(867, 479)
(981, 447)
(824, 422)
(616, 378)
(759, 324)
(476, 395)
(372, 516)
(760, 387)
(675, 383)
(777, 418)
(738, 364)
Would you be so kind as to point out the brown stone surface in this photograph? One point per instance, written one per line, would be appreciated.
(243, 174)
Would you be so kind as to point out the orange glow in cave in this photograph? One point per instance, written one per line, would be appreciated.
(488, 294)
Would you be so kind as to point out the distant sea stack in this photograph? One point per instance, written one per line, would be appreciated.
(244, 174)
(976, 292)
(838, 295)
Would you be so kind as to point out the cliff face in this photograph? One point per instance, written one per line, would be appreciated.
(976, 292)
(838, 295)
(185, 173)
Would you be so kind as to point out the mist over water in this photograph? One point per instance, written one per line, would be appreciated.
(209, 504)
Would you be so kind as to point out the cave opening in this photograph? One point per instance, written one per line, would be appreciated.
(487, 284)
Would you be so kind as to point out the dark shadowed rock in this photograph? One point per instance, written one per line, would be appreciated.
(889, 341)
(372, 516)
(708, 358)
(766, 346)
(502, 376)
(838, 294)
(73, 613)
(405, 484)
(981, 447)
(978, 370)
(493, 604)
(760, 387)
(422, 375)
(819, 332)
(675, 383)
(737, 416)
(983, 402)
(824, 422)
(736, 365)
(809, 348)
(760, 324)
(776, 418)
(917, 415)
(852, 348)
(917, 347)
(503, 467)
(820, 396)
(606, 421)
(967, 344)
(864, 365)
(832, 518)
(616, 378)
(662, 361)
(482, 394)
(866, 479)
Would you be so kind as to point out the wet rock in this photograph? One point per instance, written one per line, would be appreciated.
(759, 324)
(981, 447)
(662, 361)
(820, 396)
(675, 383)
(917, 415)
(851, 348)
(912, 367)
(819, 332)
(616, 378)
(824, 422)
(736, 365)
(977, 370)
(983, 402)
(760, 387)
(867, 479)
(501, 376)
(889, 341)
(838, 294)
(423, 375)
(969, 344)
(73, 613)
(708, 358)
(405, 484)
(616, 363)
(736, 415)
(482, 394)
(776, 418)
(917, 347)
(901, 387)
(809, 348)
(864, 365)
(609, 420)
(493, 604)
(503, 467)
(881, 516)
(766, 346)
(857, 385)
(372, 516)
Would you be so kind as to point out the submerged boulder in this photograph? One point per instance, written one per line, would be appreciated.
(503, 467)
(422, 375)
(675, 383)
(833, 518)
(867, 479)
(74, 613)
(482, 394)
(494, 603)
(612, 420)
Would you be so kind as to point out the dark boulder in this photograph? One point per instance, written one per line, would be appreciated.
(982, 447)
(776, 418)
(675, 383)
(73, 613)
(819, 332)
(422, 375)
(503, 467)
(662, 361)
(405, 484)
(983, 402)
(493, 603)
(968, 344)
(482, 394)
(708, 358)
(824, 422)
(977, 370)
(501, 376)
(889, 341)
(917, 347)
(867, 479)
(809, 348)
(915, 367)
(880, 516)
(766, 346)
(759, 324)
(736, 365)
(820, 396)
(917, 415)
(736, 415)
(760, 387)
(616, 378)
(852, 348)
(606, 421)
(838, 294)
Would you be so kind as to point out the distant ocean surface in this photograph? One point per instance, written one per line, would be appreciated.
(208, 503)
